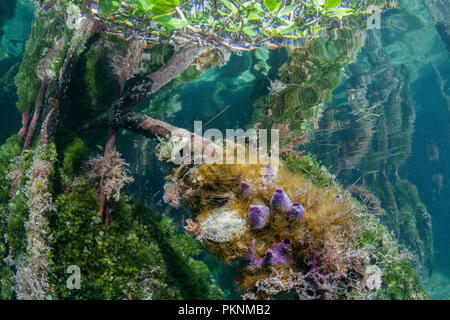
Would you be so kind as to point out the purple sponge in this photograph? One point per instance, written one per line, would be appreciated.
(246, 190)
(297, 212)
(278, 255)
(280, 200)
(257, 218)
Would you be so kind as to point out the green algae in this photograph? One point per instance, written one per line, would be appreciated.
(46, 28)
(112, 260)
(399, 278)
(310, 76)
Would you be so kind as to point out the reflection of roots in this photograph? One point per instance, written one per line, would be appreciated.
(355, 150)
(438, 181)
(288, 143)
(368, 199)
(432, 152)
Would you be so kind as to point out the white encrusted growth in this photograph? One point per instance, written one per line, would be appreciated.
(112, 172)
(32, 276)
(174, 191)
(373, 278)
(169, 151)
(276, 87)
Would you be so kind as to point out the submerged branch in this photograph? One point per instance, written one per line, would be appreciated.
(109, 149)
(178, 63)
(148, 127)
(25, 122)
(36, 115)
(160, 130)
(65, 74)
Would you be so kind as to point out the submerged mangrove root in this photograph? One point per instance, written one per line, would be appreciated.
(25, 123)
(109, 149)
(37, 113)
(32, 279)
(149, 85)
(112, 173)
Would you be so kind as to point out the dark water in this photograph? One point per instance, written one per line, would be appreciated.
(432, 131)
(408, 51)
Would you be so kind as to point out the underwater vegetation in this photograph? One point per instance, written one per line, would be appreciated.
(290, 230)
(366, 133)
(304, 83)
(138, 257)
(295, 238)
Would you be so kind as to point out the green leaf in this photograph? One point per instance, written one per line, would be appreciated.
(287, 10)
(340, 12)
(254, 15)
(271, 5)
(230, 6)
(171, 23)
(108, 7)
(163, 6)
(250, 31)
(143, 4)
(285, 30)
(331, 4)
